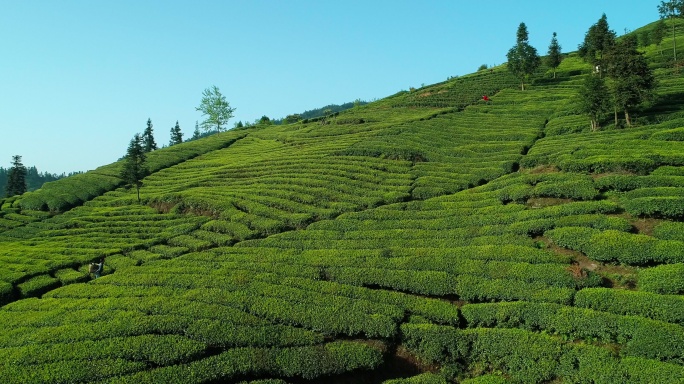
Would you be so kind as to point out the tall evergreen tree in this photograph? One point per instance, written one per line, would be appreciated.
(148, 137)
(523, 59)
(16, 178)
(216, 108)
(554, 56)
(672, 9)
(176, 135)
(593, 99)
(196, 134)
(597, 41)
(632, 80)
(134, 169)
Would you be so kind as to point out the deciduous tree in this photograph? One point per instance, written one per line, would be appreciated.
(671, 10)
(215, 107)
(658, 34)
(148, 137)
(291, 119)
(176, 135)
(523, 59)
(134, 168)
(554, 56)
(593, 99)
(16, 178)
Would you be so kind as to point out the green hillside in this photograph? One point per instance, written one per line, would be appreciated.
(428, 237)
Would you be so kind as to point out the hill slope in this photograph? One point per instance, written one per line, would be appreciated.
(426, 232)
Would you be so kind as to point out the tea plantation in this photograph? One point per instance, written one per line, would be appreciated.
(428, 237)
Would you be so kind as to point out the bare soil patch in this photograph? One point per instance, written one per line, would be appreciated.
(541, 202)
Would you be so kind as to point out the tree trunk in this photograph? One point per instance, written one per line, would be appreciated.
(616, 116)
(522, 85)
(627, 119)
(137, 188)
(674, 41)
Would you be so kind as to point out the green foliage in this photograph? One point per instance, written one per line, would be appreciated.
(16, 178)
(543, 357)
(486, 379)
(523, 60)
(597, 41)
(423, 378)
(176, 135)
(640, 337)
(668, 308)
(668, 230)
(216, 333)
(70, 276)
(68, 371)
(147, 138)
(38, 285)
(663, 279)
(303, 362)
(632, 79)
(554, 56)
(216, 109)
(670, 207)
(676, 134)
(612, 245)
(593, 100)
(258, 251)
(134, 168)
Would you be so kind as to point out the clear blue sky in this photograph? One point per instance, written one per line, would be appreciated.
(78, 78)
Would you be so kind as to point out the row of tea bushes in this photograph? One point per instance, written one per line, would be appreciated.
(668, 308)
(637, 336)
(302, 362)
(64, 194)
(617, 246)
(542, 359)
(663, 279)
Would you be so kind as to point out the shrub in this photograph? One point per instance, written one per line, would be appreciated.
(575, 238)
(70, 276)
(669, 207)
(72, 371)
(676, 134)
(669, 230)
(424, 378)
(669, 308)
(36, 286)
(663, 279)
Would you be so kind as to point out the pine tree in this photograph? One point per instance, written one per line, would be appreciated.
(196, 134)
(176, 135)
(148, 138)
(522, 58)
(554, 56)
(134, 169)
(597, 41)
(16, 178)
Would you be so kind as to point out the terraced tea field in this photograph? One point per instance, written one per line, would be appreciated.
(429, 237)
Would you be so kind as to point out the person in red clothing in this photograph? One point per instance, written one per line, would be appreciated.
(485, 98)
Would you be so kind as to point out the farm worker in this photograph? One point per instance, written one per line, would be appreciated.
(96, 268)
(485, 98)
